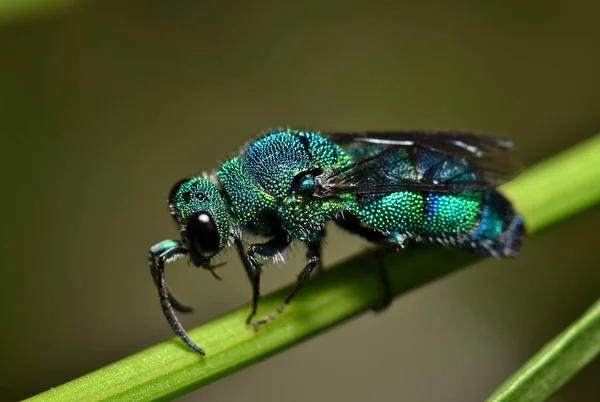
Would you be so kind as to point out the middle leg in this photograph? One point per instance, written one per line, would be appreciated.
(253, 268)
(313, 256)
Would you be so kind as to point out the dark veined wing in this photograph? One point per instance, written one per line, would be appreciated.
(437, 161)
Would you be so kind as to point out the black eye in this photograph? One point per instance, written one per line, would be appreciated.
(202, 234)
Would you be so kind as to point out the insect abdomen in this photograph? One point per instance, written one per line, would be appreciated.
(479, 221)
(499, 230)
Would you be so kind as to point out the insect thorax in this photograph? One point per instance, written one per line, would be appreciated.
(268, 182)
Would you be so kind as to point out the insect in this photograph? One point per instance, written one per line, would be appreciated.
(388, 187)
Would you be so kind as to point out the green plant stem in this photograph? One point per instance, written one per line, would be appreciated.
(545, 194)
(558, 187)
(556, 363)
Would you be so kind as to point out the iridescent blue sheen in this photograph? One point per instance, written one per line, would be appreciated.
(386, 187)
(273, 162)
(259, 183)
(481, 221)
(268, 183)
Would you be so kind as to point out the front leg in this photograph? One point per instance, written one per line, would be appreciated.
(253, 268)
(167, 247)
(313, 255)
(158, 272)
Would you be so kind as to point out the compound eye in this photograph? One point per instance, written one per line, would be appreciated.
(202, 234)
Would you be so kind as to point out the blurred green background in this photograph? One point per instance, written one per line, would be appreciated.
(105, 104)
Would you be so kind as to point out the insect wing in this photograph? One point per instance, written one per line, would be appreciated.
(441, 161)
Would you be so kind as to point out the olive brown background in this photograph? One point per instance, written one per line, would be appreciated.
(105, 104)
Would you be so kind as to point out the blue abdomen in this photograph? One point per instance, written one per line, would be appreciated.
(483, 222)
(499, 230)
(480, 221)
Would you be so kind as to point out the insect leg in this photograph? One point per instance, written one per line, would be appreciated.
(156, 251)
(313, 256)
(253, 268)
(164, 295)
(388, 294)
(353, 225)
(317, 247)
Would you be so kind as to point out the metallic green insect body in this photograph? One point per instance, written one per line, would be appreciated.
(389, 188)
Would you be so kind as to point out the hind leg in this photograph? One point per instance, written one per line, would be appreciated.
(354, 225)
